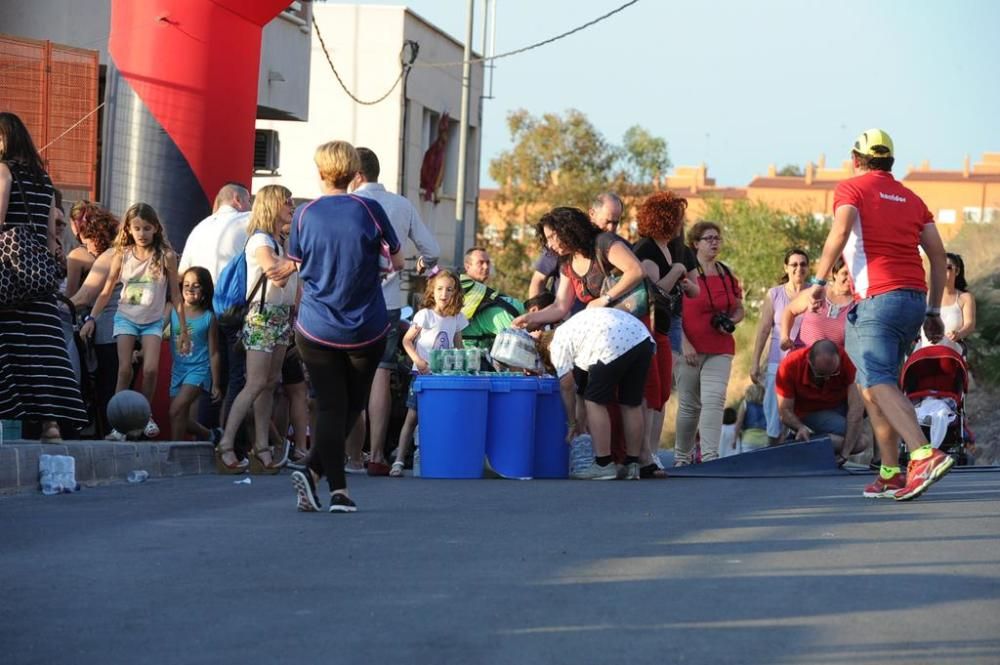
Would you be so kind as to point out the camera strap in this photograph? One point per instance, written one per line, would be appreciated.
(723, 272)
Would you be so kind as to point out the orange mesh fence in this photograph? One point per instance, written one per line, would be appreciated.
(52, 88)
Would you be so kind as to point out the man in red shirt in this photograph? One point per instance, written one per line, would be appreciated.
(879, 226)
(817, 396)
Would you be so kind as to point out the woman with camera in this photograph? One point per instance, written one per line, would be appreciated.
(708, 346)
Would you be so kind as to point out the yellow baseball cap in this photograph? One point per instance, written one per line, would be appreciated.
(873, 143)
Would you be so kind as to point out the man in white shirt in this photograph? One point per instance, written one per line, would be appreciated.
(212, 243)
(602, 354)
(215, 240)
(407, 224)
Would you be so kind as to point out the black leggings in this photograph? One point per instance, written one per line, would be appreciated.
(342, 380)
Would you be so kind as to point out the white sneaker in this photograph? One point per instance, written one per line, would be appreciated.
(596, 472)
(632, 471)
(115, 435)
(152, 430)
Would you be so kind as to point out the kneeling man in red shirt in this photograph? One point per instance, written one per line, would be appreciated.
(817, 396)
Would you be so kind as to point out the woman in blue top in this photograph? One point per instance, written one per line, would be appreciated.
(340, 243)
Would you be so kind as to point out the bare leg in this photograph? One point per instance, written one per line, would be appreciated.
(633, 424)
(180, 411)
(885, 436)
(126, 345)
(406, 435)
(258, 371)
(599, 425)
(898, 411)
(654, 429)
(298, 411)
(355, 442)
(263, 406)
(150, 364)
(379, 405)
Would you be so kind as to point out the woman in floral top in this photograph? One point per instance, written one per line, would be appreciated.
(267, 331)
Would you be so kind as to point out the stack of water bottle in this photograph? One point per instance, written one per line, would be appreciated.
(581, 452)
(455, 361)
(57, 474)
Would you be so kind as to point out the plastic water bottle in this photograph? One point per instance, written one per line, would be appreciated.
(581, 452)
(66, 473)
(138, 476)
(46, 475)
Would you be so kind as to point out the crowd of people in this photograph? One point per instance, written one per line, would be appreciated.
(300, 374)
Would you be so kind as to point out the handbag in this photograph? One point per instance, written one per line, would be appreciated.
(29, 270)
(635, 302)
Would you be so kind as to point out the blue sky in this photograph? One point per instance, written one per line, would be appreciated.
(739, 85)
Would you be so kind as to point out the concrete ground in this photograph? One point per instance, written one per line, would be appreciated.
(804, 571)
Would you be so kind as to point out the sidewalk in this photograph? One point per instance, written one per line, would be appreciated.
(99, 462)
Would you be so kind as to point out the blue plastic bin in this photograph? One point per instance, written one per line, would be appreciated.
(551, 450)
(510, 434)
(452, 420)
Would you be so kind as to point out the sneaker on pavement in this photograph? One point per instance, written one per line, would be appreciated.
(341, 503)
(152, 430)
(632, 471)
(596, 472)
(885, 489)
(354, 468)
(115, 435)
(306, 499)
(921, 474)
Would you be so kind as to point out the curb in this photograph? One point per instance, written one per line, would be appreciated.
(100, 462)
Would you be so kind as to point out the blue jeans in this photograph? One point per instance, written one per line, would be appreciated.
(880, 331)
(830, 421)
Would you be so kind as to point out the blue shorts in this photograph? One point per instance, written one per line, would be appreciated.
(189, 377)
(411, 397)
(125, 326)
(830, 421)
(880, 332)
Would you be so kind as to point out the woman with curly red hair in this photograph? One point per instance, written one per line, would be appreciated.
(660, 216)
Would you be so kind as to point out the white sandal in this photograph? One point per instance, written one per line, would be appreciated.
(397, 469)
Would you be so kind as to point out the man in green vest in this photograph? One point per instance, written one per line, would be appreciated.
(488, 311)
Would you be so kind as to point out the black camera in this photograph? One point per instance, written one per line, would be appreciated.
(722, 323)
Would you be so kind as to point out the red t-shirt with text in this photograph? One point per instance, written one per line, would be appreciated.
(882, 251)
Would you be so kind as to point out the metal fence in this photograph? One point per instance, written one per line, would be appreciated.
(53, 88)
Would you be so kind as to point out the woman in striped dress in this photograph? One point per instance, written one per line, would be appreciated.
(36, 378)
(828, 322)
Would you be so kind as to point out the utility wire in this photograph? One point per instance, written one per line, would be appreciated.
(72, 127)
(404, 67)
(535, 45)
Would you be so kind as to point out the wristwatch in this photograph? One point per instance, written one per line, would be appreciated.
(933, 311)
(88, 317)
(816, 281)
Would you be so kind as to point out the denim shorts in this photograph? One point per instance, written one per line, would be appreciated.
(881, 331)
(125, 326)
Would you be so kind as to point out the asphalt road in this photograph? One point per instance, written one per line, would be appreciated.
(805, 571)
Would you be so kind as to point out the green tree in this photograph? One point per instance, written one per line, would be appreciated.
(645, 156)
(555, 160)
(756, 239)
(791, 170)
(512, 261)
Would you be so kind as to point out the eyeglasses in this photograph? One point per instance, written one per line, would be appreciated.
(798, 265)
(822, 375)
(712, 239)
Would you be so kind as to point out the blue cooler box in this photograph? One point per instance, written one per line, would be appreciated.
(452, 416)
(551, 450)
(510, 433)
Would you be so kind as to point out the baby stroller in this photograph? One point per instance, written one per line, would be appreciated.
(936, 379)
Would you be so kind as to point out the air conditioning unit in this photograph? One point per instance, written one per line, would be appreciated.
(266, 151)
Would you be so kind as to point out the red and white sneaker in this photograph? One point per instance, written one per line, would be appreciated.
(921, 474)
(885, 489)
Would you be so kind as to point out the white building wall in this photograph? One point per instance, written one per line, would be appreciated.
(364, 43)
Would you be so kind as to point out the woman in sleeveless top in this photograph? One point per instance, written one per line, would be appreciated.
(958, 307)
(796, 270)
(828, 322)
(37, 381)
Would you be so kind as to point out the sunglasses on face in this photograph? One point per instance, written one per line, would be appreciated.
(798, 265)
(949, 267)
